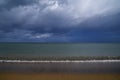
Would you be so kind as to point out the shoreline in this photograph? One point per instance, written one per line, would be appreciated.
(58, 61)
(78, 66)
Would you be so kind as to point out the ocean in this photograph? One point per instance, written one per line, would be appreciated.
(86, 70)
(60, 49)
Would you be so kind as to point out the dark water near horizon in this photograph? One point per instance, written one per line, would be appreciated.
(59, 49)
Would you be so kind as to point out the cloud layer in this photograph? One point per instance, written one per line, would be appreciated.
(59, 20)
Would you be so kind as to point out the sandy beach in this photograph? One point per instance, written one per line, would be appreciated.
(56, 70)
(60, 76)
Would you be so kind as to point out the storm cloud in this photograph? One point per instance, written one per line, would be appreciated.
(59, 20)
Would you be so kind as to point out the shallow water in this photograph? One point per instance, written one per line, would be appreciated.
(113, 67)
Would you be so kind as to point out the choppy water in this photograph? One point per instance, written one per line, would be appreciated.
(57, 49)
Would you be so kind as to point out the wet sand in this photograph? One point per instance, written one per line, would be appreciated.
(56, 76)
(86, 67)
(60, 71)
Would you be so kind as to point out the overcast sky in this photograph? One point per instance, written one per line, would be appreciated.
(59, 20)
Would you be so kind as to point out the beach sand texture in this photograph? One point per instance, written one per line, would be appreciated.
(60, 76)
(60, 71)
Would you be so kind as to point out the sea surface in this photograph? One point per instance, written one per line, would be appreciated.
(60, 49)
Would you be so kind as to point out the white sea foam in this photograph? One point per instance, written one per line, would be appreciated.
(61, 61)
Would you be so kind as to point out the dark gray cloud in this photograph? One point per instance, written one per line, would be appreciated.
(9, 4)
(59, 20)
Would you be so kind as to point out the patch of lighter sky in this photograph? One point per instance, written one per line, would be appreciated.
(39, 36)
